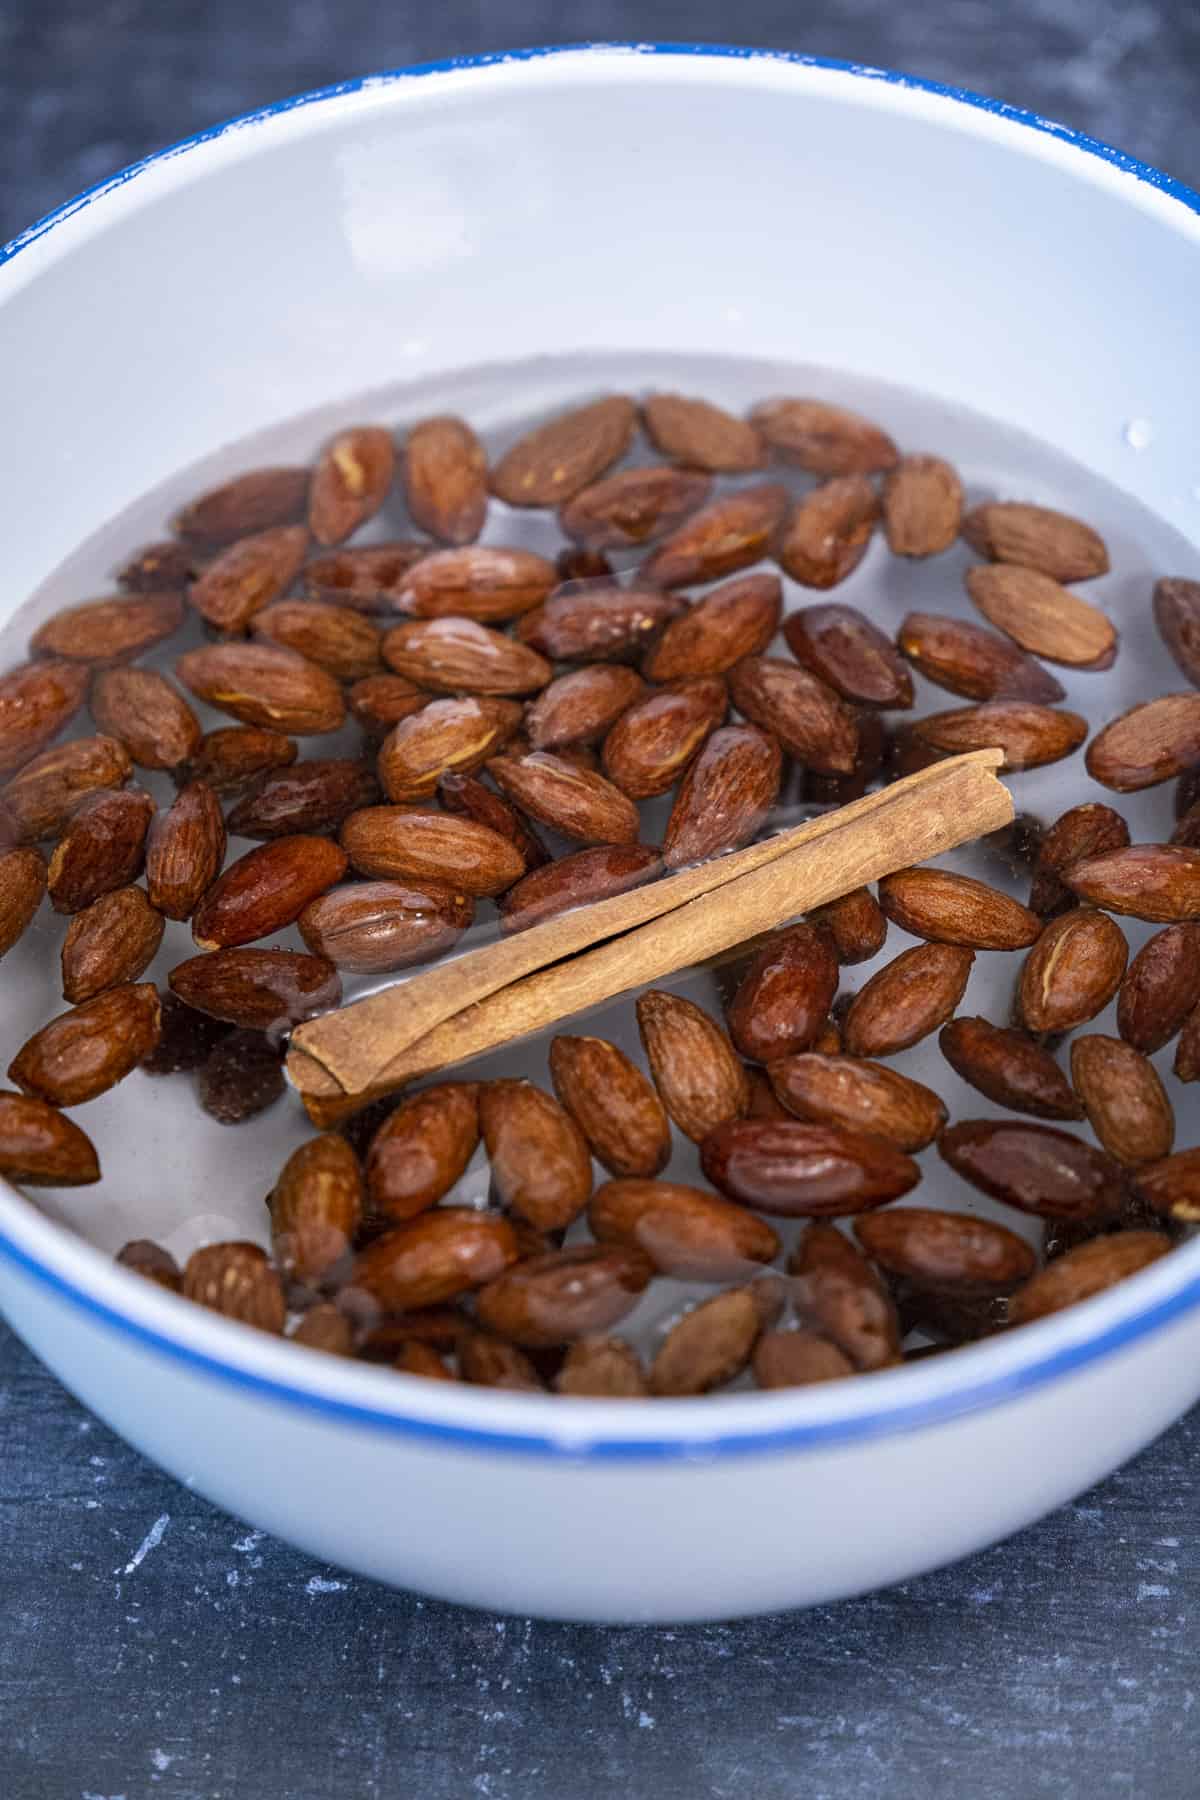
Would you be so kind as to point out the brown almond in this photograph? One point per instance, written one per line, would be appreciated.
(266, 890)
(479, 581)
(577, 880)
(375, 927)
(113, 941)
(602, 1369)
(459, 656)
(598, 624)
(422, 1149)
(1081, 831)
(1087, 1270)
(728, 534)
(559, 459)
(565, 1294)
(492, 1362)
(1177, 615)
(1187, 829)
(184, 851)
(368, 579)
(819, 789)
(699, 1079)
(262, 684)
(541, 1165)
(581, 706)
(577, 802)
(824, 439)
(1009, 1068)
(379, 702)
(735, 620)
(1042, 616)
(837, 1290)
(248, 576)
(922, 506)
(42, 797)
(861, 1095)
(856, 924)
(763, 1103)
(946, 908)
(701, 435)
(36, 701)
(316, 1207)
(398, 843)
(103, 847)
(315, 796)
(828, 531)
(40, 1147)
(651, 746)
(166, 567)
(633, 507)
(1161, 988)
(1172, 1187)
(908, 998)
(108, 631)
(783, 999)
(1127, 1105)
(147, 715)
(22, 885)
(324, 1327)
(807, 717)
(236, 1279)
(1029, 736)
(725, 796)
(473, 799)
(952, 1250)
(350, 482)
(420, 1359)
(250, 503)
(435, 1257)
(613, 1104)
(84, 1052)
(800, 1170)
(1148, 744)
(444, 471)
(1036, 1168)
(1159, 882)
(685, 1232)
(798, 1358)
(234, 756)
(259, 990)
(445, 737)
(1073, 971)
(333, 637)
(848, 653)
(708, 1346)
(970, 660)
(1037, 537)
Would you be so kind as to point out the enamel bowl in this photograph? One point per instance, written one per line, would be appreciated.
(626, 202)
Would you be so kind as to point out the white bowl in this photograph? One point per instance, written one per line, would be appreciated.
(617, 200)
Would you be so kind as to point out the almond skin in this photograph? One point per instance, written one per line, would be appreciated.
(248, 576)
(250, 503)
(84, 1052)
(36, 701)
(374, 927)
(800, 1170)
(184, 851)
(946, 1249)
(109, 631)
(798, 1358)
(845, 650)
(350, 482)
(22, 885)
(578, 880)
(266, 890)
(471, 798)
(1009, 1068)
(102, 848)
(1036, 537)
(602, 1369)
(824, 439)
(684, 1231)
(728, 534)
(1073, 971)
(699, 1079)
(837, 1290)
(445, 479)
(633, 507)
(396, 843)
(482, 582)
(1030, 736)
(807, 717)
(581, 706)
(1160, 989)
(422, 1149)
(541, 1165)
(599, 624)
(559, 459)
(111, 942)
(701, 435)
(652, 744)
(42, 797)
(970, 660)
(262, 684)
(735, 620)
(613, 1104)
(946, 908)
(1088, 1269)
(856, 924)
(1036, 1168)
(316, 1207)
(1042, 616)
(314, 796)
(725, 796)
(1177, 615)
(336, 639)
(1159, 882)
(1148, 744)
(234, 756)
(369, 579)
(459, 656)
(861, 1095)
(40, 1147)
(908, 998)
(259, 990)
(828, 531)
(922, 506)
(236, 1279)
(564, 1295)
(576, 802)
(783, 999)
(445, 737)
(1085, 830)
(1127, 1105)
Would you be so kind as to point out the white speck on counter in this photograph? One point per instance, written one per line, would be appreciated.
(1138, 434)
(151, 1541)
(161, 1760)
(318, 1585)
(1152, 1590)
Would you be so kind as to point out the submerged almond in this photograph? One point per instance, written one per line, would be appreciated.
(258, 990)
(841, 645)
(398, 843)
(1088, 1269)
(922, 506)
(445, 479)
(1036, 537)
(316, 1207)
(836, 1289)
(36, 701)
(581, 706)
(1036, 1168)
(374, 927)
(1159, 882)
(266, 890)
(633, 507)
(1177, 615)
(828, 531)
(1042, 616)
(103, 847)
(248, 576)
(598, 624)
(1161, 988)
(824, 439)
(948, 908)
(728, 534)
(185, 850)
(908, 998)
(652, 744)
(1073, 971)
(558, 459)
(150, 717)
(82, 1053)
(952, 1250)
(263, 684)
(311, 796)
(333, 637)
(1081, 831)
(702, 435)
(435, 1257)
(1029, 735)
(257, 501)
(725, 795)
(565, 1294)
(40, 799)
(41, 1147)
(801, 1170)
(234, 756)
(735, 620)
(686, 1232)
(1009, 1067)
(613, 1104)
(698, 1076)
(422, 1149)
(1127, 1105)
(110, 631)
(861, 1095)
(970, 660)
(350, 482)
(783, 999)
(1152, 742)
(540, 1162)
(113, 941)
(445, 737)
(808, 718)
(577, 802)
(477, 581)
(460, 656)
(581, 879)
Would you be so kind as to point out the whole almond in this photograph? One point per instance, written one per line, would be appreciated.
(1159, 882)
(824, 439)
(350, 483)
(370, 578)
(578, 880)
(861, 1095)
(493, 1362)
(374, 927)
(1161, 988)
(819, 789)
(259, 990)
(262, 684)
(1036, 1168)
(800, 1170)
(248, 576)
(147, 715)
(828, 530)
(1042, 616)
(84, 1052)
(22, 885)
(650, 746)
(795, 1357)
(446, 736)
(947, 908)
(970, 660)
(1187, 828)
(605, 1368)
(1029, 736)
(40, 1147)
(444, 471)
(1177, 615)
(1148, 744)
(315, 796)
(323, 1327)
(1085, 830)
(400, 844)
(416, 1358)
(560, 458)
(783, 999)
(709, 1346)
(613, 1104)
(952, 1250)
(1127, 1105)
(113, 941)
(1172, 1187)
(236, 1279)
(735, 620)
(422, 1149)
(41, 798)
(576, 802)
(701, 435)
(1009, 1068)
(763, 1103)
(103, 847)
(728, 534)
(266, 890)
(908, 998)
(473, 799)
(598, 624)
(250, 503)
(581, 706)
(379, 702)
(166, 567)
(110, 630)
(478, 581)
(807, 717)
(316, 1207)
(1088, 1269)
(837, 1290)
(1036, 537)
(184, 851)
(234, 756)
(36, 701)
(699, 1079)
(564, 1295)
(1073, 971)
(725, 796)
(922, 506)
(460, 656)
(856, 924)
(333, 637)
(541, 1165)
(850, 654)
(435, 1257)
(633, 507)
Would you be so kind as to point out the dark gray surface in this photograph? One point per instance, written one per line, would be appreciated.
(150, 1646)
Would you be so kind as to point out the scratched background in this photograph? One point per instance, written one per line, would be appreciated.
(153, 1647)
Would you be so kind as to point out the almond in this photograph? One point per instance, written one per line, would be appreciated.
(1009, 1068)
(824, 439)
(40, 1147)
(728, 534)
(952, 1250)
(184, 851)
(250, 503)
(820, 789)
(1159, 882)
(248, 576)
(798, 1358)
(845, 650)
(22, 885)
(103, 847)
(604, 624)
(1073, 971)
(651, 745)
(709, 1345)
(397, 843)
(564, 1295)
(232, 757)
(1037, 537)
(460, 656)
(316, 1207)
(113, 941)
(907, 999)
(323, 1327)
(699, 1079)
(237, 1279)
(837, 1290)
(602, 1369)
(725, 796)
(1177, 615)
(41, 798)
(421, 1150)
(314, 796)
(444, 737)
(1029, 736)
(350, 483)
(684, 1231)
(735, 620)
(763, 1104)
(36, 701)
(922, 506)
(149, 717)
(1172, 1187)
(379, 702)
(613, 1104)
(1085, 830)
(110, 630)
(701, 435)
(541, 1165)
(161, 568)
(1088, 1269)
(333, 637)
(560, 458)
(266, 890)
(1161, 988)
(1148, 744)
(633, 507)
(947, 908)
(578, 880)
(473, 799)
(970, 660)
(416, 1358)
(260, 990)
(1127, 1105)
(435, 1257)
(828, 531)
(807, 717)
(445, 479)
(805, 1171)
(576, 802)
(491, 1362)
(477, 582)
(856, 924)
(262, 684)
(368, 579)
(84, 1052)
(581, 706)
(783, 999)
(374, 927)
(861, 1095)
(1036, 1168)
(1042, 616)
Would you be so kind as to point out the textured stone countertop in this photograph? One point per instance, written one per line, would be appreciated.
(152, 1646)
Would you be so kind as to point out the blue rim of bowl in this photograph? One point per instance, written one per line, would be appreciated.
(574, 1445)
